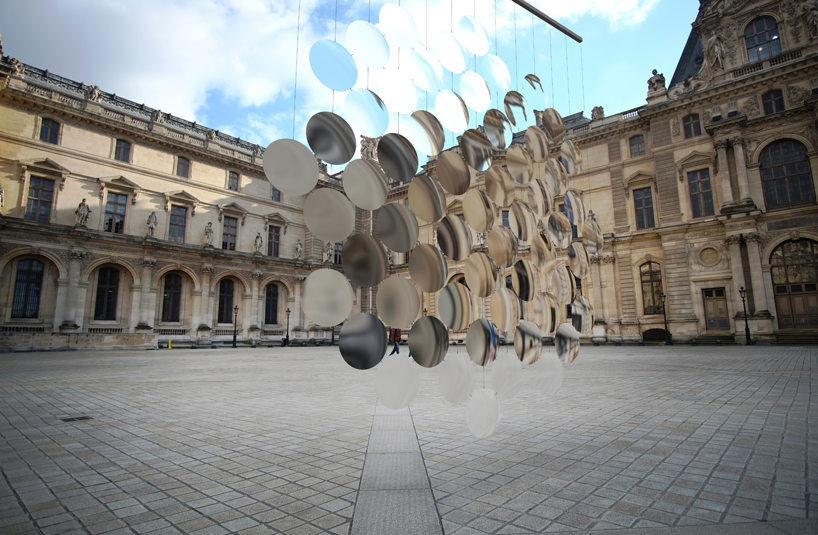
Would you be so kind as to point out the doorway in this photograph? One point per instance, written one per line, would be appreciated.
(715, 310)
(795, 282)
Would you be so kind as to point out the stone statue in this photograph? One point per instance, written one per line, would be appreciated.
(481, 239)
(209, 234)
(211, 135)
(2, 196)
(258, 243)
(369, 148)
(715, 51)
(1, 46)
(157, 116)
(328, 253)
(599, 112)
(93, 93)
(152, 223)
(656, 82)
(321, 165)
(18, 69)
(390, 258)
(809, 12)
(82, 213)
(299, 250)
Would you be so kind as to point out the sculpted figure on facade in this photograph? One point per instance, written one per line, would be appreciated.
(18, 69)
(656, 82)
(208, 232)
(93, 93)
(389, 257)
(328, 250)
(152, 223)
(299, 250)
(321, 165)
(211, 135)
(715, 52)
(157, 116)
(258, 243)
(369, 148)
(597, 113)
(82, 212)
(809, 13)
(2, 197)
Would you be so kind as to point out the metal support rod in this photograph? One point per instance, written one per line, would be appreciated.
(743, 293)
(542, 16)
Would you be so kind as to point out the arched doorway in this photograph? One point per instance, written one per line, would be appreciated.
(795, 284)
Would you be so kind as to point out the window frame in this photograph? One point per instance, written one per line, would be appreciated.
(700, 195)
(233, 177)
(226, 291)
(774, 99)
(270, 308)
(631, 146)
(636, 210)
(235, 235)
(338, 247)
(171, 224)
(31, 283)
(755, 57)
(801, 175)
(109, 306)
(174, 295)
(694, 124)
(274, 241)
(657, 307)
(56, 134)
(179, 160)
(117, 154)
(38, 216)
(106, 213)
(275, 194)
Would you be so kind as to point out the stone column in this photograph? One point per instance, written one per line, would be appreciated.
(297, 322)
(206, 310)
(759, 293)
(71, 305)
(253, 318)
(144, 295)
(741, 168)
(737, 267)
(724, 174)
(597, 279)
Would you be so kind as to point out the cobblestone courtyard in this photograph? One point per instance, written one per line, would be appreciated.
(641, 439)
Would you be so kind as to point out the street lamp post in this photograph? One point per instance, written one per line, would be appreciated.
(668, 337)
(235, 323)
(743, 293)
(287, 338)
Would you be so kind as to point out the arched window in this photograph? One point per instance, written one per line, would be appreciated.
(795, 282)
(226, 301)
(692, 125)
(761, 37)
(651, 277)
(182, 167)
(26, 301)
(107, 294)
(785, 174)
(172, 297)
(123, 151)
(773, 101)
(49, 131)
(637, 144)
(271, 304)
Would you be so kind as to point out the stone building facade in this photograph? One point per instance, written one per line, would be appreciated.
(123, 226)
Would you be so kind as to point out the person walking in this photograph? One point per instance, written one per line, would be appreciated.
(394, 337)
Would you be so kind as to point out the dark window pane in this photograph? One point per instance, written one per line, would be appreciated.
(40, 195)
(49, 131)
(271, 305)
(692, 126)
(276, 194)
(785, 174)
(178, 224)
(107, 294)
(225, 301)
(643, 208)
(233, 181)
(183, 167)
(637, 144)
(761, 38)
(273, 241)
(115, 213)
(123, 151)
(172, 298)
(229, 233)
(27, 286)
(651, 279)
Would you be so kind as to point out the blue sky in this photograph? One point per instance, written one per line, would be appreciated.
(230, 64)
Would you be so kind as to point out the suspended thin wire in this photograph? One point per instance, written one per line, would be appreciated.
(295, 85)
(582, 66)
(516, 73)
(551, 62)
(567, 75)
(496, 50)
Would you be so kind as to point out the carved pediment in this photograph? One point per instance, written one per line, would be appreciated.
(694, 159)
(45, 167)
(183, 198)
(233, 210)
(455, 207)
(277, 220)
(120, 184)
(639, 178)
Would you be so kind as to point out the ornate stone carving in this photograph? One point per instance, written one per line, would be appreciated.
(597, 113)
(329, 249)
(211, 135)
(609, 259)
(157, 116)
(808, 11)
(149, 262)
(82, 212)
(675, 128)
(93, 93)
(656, 83)
(77, 255)
(796, 94)
(257, 274)
(299, 250)
(714, 52)
(152, 223)
(258, 243)
(751, 107)
(707, 116)
(18, 70)
(300, 280)
(208, 232)
(755, 237)
(208, 270)
(795, 234)
(733, 240)
(595, 259)
(369, 148)
(321, 165)
(2, 196)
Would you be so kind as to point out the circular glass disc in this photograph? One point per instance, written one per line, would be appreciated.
(479, 271)
(428, 268)
(425, 70)
(502, 246)
(505, 309)
(397, 379)
(425, 132)
(397, 227)
(454, 306)
(452, 172)
(326, 297)
(398, 26)
(478, 210)
(452, 111)
(559, 230)
(451, 52)
(331, 138)
(543, 254)
(481, 342)
(365, 184)
(456, 378)
(398, 302)
(427, 198)
(363, 259)
(540, 198)
(536, 143)
(329, 215)
(578, 260)
(483, 413)
(475, 91)
(527, 342)
(398, 91)
(512, 100)
(566, 340)
(546, 313)
(564, 285)
(333, 65)
(574, 207)
(367, 45)
(290, 167)
(476, 149)
(454, 238)
(366, 112)
(362, 342)
(524, 280)
(582, 315)
(507, 376)
(497, 129)
(495, 72)
(519, 163)
(521, 222)
(499, 186)
(397, 157)
(553, 125)
(428, 341)
(473, 36)
(592, 236)
(548, 374)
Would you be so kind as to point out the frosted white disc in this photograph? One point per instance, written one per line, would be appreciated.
(473, 36)
(507, 375)
(425, 70)
(451, 111)
(329, 215)
(548, 374)
(333, 65)
(495, 72)
(290, 167)
(398, 91)
(456, 378)
(326, 297)
(366, 112)
(398, 26)
(397, 379)
(475, 91)
(450, 52)
(367, 44)
(483, 413)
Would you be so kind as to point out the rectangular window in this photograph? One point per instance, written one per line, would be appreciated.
(182, 167)
(701, 196)
(564, 210)
(338, 248)
(26, 300)
(692, 125)
(233, 181)
(49, 131)
(115, 213)
(271, 305)
(229, 233)
(40, 196)
(226, 313)
(637, 146)
(123, 151)
(773, 101)
(276, 195)
(273, 241)
(643, 206)
(178, 224)
(505, 218)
